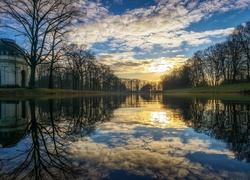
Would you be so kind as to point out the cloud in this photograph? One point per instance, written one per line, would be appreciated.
(162, 24)
(145, 27)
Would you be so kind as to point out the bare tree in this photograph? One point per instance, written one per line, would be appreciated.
(198, 75)
(56, 54)
(244, 39)
(79, 63)
(234, 53)
(35, 20)
(213, 68)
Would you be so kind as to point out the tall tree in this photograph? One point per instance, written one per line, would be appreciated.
(198, 75)
(244, 38)
(234, 52)
(35, 20)
(213, 68)
(79, 62)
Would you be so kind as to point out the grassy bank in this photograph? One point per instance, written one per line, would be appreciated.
(10, 93)
(232, 88)
(233, 92)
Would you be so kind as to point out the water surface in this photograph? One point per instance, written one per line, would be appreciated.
(125, 137)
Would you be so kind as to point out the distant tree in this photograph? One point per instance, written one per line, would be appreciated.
(107, 77)
(79, 62)
(234, 55)
(35, 20)
(223, 63)
(197, 64)
(221, 56)
(178, 78)
(147, 87)
(56, 52)
(213, 67)
(243, 32)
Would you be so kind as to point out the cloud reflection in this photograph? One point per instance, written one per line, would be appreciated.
(150, 141)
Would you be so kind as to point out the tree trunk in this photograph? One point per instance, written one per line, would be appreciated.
(51, 84)
(32, 82)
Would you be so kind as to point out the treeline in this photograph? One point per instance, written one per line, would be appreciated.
(222, 63)
(77, 68)
(45, 27)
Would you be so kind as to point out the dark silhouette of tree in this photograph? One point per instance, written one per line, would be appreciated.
(78, 63)
(223, 120)
(178, 78)
(36, 21)
(146, 88)
(45, 156)
(234, 55)
(243, 32)
(223, 63)
(52, 124)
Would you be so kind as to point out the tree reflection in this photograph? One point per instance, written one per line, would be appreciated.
(43, 152)
(223, 120)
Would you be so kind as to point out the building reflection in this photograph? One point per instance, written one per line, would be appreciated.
(43, 130)
(13, 122)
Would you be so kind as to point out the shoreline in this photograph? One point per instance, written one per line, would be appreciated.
(45, 93)
(235, 89)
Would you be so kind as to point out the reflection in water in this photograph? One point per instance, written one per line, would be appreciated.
(47, 132)
(116, 137)
(227, 121)
(13, 122)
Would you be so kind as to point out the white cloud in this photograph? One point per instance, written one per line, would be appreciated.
(163, 24)
(142, 27)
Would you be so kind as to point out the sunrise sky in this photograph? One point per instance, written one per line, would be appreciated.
(145, 38)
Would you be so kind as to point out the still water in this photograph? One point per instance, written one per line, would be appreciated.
(125, 137)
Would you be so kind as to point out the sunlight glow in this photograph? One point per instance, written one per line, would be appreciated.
(159, 118)
(160, 66)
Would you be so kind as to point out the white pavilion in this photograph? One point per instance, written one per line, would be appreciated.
(13, 68)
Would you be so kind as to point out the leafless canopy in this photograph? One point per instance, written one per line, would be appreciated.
(36, 21)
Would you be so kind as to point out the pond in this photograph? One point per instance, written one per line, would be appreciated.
(147, 136)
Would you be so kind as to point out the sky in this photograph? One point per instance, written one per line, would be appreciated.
(145, 39)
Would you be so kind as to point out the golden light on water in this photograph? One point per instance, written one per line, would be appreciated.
(148, 136)
(159, 118)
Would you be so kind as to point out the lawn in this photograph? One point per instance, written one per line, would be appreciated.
(233, 92)
(44, 93)
(232, 88)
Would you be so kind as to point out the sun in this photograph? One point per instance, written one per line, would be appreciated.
(159, 66)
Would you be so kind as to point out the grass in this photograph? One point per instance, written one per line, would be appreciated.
(44, 93)
(233, 92)
(232, 88)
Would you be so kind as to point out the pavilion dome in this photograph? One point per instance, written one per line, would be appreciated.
(9, 47)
